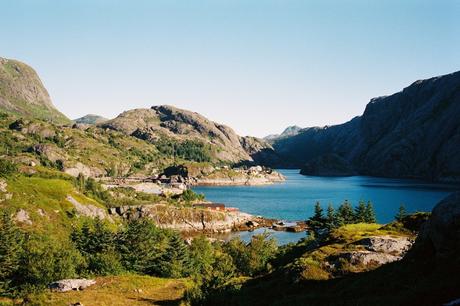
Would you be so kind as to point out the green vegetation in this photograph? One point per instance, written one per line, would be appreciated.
(191, 150)
(7, 168)
(345, 214)
(401, 213)
(121, 290)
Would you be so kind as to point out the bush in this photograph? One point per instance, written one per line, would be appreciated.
(252, 259)
(191, 196)
(11, 244)
(7, 168)
(44, 261)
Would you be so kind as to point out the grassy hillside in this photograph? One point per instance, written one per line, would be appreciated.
(22, 93)
(122, 290)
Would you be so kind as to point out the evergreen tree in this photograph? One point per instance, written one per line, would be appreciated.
(345, 212)
(140, 244)
(318, 218)
(360, 213)
(401, 213)
(175, 261)
(96, 243)
(370, 213)
(11, 246)
(331, 218)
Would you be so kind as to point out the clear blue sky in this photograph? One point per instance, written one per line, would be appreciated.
(257, 66)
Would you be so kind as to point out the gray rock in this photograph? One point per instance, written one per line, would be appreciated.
(23, 217)
(369, 258)
(386, 244)
(89, 210)
(71, 284)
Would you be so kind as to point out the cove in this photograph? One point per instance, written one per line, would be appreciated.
(294, 199)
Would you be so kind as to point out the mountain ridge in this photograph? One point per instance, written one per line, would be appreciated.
(414, 133)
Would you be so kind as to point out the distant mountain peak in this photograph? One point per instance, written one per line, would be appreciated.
(91, 119)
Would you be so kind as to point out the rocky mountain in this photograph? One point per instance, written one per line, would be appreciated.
(22, 93)
(178, 125)
(90, 119)
(289, 131)
(413, 133)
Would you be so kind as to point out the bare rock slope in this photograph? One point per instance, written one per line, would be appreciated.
(164, 121)
(22, 93)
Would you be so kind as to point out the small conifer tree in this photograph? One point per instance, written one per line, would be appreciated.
(401, 213)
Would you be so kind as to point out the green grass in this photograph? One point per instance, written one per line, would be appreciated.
(135, 290)
(39, 195)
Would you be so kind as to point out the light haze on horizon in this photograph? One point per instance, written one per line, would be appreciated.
(257, 66)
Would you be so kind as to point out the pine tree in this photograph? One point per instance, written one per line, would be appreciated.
(318, 218)
(175, 261)
(11, 246)
(401, 213)
(360, 213)
(345, 213)
(370, 213)
(140, 244)
(331, 217)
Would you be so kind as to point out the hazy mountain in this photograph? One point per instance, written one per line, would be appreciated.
(91, 119)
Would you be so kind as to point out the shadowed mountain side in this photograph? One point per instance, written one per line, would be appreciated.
(412, 133)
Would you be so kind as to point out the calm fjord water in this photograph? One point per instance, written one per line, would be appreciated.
(294, 199)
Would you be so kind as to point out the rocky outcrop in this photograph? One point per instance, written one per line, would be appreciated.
(366, 258)
(89, 210)
(442, 230)
(412, 133)
(185, 219)
(71, 284)
(385, 244)
(168, 122)
(22, 216)
(378, 250)
(22, 93)
(208, 175)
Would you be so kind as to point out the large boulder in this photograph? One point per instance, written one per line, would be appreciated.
(442, 230)
(386, 244)
(65, 285)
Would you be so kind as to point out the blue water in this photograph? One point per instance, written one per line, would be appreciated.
(282, 238)
(294, 199)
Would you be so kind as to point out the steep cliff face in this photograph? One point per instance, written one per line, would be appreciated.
(22, 93)
(413, 133)
(164, 121)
